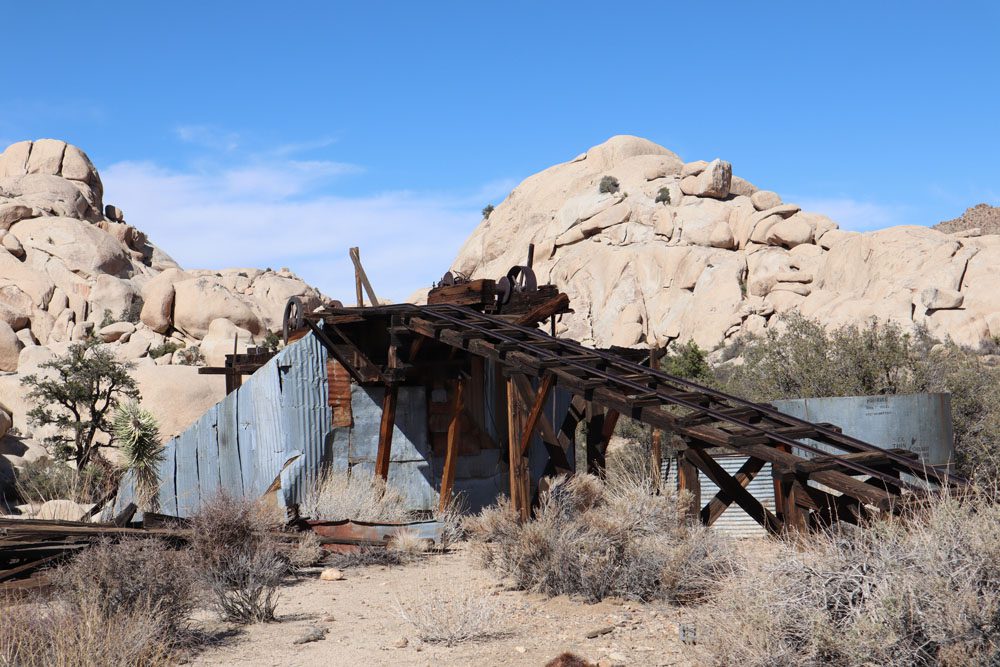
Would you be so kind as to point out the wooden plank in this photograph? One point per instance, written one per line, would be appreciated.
(543, 311)
(360, 274)
(451, 453)
(557, 446)
(536, 411)
(725, 481)
(714, 509)
(339, 385)
(473, 293)
(689, 483)
(386, 427)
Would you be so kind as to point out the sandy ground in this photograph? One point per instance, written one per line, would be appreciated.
(363, 624)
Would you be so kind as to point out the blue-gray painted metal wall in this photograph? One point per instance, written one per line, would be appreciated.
(282, 412)
(918, 422)
(244, 442)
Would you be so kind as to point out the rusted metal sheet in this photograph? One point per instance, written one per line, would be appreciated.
(335, 535)
(339, 383)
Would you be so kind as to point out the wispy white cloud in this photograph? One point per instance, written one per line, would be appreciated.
(854, 214)
(277, 214)
(207, 136)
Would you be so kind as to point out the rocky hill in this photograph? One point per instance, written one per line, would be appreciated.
(976, 221)
(652, 249)
(71, 267)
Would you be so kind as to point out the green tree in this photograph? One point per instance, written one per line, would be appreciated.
(77, 393)
(686, 360)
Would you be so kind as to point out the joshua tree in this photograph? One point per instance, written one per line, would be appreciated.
(138, 437)
(76, 393)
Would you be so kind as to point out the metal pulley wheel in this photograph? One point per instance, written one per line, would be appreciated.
(292, 319)
(518, 279)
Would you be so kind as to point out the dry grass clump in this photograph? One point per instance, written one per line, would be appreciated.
(83, 635)
(923, 589)
(404, 548)
(305, 551)
(339, 495)
(452, 618)
(238, 557)
(595, 540)
(114, 604)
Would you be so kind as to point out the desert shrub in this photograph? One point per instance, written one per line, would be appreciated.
(306, 550)
(806, 360)
(131, 577)
(37, 635)
(168, 347)
(454, 617)
(132, 312)
(922, 589)
(107, 319)
(272, 341)
(189, 356)
(238, 557)
(488, 210)
(686, 360)
(594, 540)
(663, 196)
(340, 495)
(366, 555)
(44, 479)
(608, 184)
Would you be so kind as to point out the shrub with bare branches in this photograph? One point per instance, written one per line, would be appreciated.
(455, 617)
(238, 557)
(921, 589)
(596, 540)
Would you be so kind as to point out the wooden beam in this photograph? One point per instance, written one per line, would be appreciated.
(725, 481)
(689, 482)
(451, 453)
(536, 411)
(714, 509)
(519, 482)
(361, 276)
(543, 311)
(385, 431)
(556, 444)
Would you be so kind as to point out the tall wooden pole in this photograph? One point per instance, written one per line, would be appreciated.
(385, 432)
(451, 453)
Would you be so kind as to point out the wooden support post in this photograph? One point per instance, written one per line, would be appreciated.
(361, 278)
(595, 435)
(451, 453)
(689, 482)
(385, 431)
(520, 485)
(357, 279)
(795, 501)
(656, 435)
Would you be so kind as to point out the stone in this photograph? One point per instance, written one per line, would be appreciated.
(13, 246)
(663, 222)
(198, 301)
(11, 214)
(114, 213)
(10, 348)
(714, 181)
(112, 297)
(5, 422)
(694, 168)
(46, 157)
(14, 160)
(331, 574)
(765, 199)
(313, 634)
(158, 300)
(113, 332)
(60, 510)
(789, 233)
(222, 337)
(742, 187)
(597, 632)
(402, 642)
(159, 386)
(82, 331)
(939, 299)
(83, 248)
(26, 337)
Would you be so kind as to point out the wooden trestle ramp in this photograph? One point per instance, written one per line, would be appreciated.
(399, 344)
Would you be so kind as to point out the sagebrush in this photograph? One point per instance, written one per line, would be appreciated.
(341, 495)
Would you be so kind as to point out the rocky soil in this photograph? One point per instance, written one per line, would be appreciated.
(71, 267)
(359, 621)
(976, 221)
(671, 250)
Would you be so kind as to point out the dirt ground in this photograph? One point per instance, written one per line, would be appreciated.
(363, 624)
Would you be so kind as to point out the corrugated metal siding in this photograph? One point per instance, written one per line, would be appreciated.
(734, 521)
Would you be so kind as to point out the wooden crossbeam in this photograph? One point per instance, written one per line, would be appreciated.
(727, 483)
(722, 500)
(362, 277)
(536, 411)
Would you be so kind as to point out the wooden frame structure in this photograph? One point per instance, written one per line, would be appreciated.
(844, 479)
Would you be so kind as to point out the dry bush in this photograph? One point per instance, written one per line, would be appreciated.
(44, 479)
(132, 576)
(305, 551)
(367, 555)
(409, 545)
(238, 557)
(452, 618)
(922, 589)
(83, 635)
(596, 540)
(339, 495)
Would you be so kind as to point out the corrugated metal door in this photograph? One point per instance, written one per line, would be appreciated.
(734, 521)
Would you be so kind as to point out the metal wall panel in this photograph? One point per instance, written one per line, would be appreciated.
(209, 478)
(918, 422)
(168, 475)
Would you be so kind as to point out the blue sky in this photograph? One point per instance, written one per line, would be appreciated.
(280, 134)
